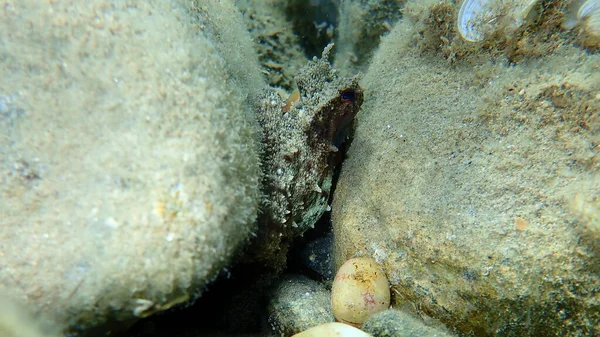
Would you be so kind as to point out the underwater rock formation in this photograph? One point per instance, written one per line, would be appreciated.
(472, 179)
(16, 321)
(130, 168)
(360, 26)
(395, 323)
(297, 303)
(275, 42)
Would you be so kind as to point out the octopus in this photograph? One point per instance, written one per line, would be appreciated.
(301, 141)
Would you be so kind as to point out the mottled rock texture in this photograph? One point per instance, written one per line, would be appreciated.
(129, 164)
(474, 181)
(361, 25)
(277, 45)
(297, 303)
(395, 323)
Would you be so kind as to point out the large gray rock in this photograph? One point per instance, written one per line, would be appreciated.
(128, 161)
(475, 184)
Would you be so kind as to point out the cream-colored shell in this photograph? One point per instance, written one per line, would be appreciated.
(332, 330)
(587, 8)
(360, 289)
(584, 14)
(478, 19)
(589, 15)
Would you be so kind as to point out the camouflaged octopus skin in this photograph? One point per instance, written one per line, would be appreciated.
(300, 151)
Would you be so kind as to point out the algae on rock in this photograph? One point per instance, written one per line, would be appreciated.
(297, 303)
(16, 321)
(223, 25)
(395, 323)
(473, 184)
(275, 42)
(361, 24)
(129, 160)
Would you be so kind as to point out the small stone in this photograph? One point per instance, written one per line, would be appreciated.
(298, 303)
(360, 289)
(333, 329)
(316, 257)
(394, 323)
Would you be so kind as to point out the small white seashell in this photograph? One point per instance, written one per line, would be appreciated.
(589, 14)
(471, 19)
(571, 15)
(478, 19)
(588, 8)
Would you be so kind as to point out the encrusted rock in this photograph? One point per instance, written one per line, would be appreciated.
(395, 323)
(129, 163)
(298, 303)
(475, 187)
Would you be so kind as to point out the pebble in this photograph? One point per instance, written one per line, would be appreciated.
(298, 303)
(394, 323)
(360, 289)
(333, 330)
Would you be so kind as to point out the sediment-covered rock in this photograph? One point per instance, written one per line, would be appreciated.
(473, 181)
(129, 162)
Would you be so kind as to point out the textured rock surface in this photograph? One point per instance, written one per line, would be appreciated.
(361, 25)
(128, 163)
(316, 258)
(475, 184)
(298, 303)
(278, 47)
(223, 24)
(16, 321)
(394, 323)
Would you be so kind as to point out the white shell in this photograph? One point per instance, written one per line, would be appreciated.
(588, 8)
(470, 19)
(477, 19)
(571, 16)
(588, 17)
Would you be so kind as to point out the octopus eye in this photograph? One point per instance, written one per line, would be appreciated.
(348, 95)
